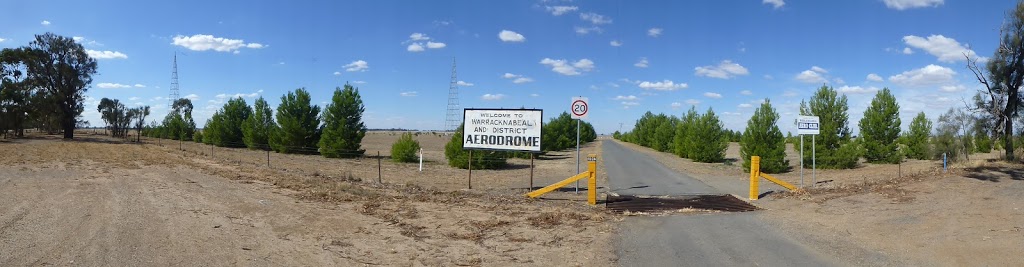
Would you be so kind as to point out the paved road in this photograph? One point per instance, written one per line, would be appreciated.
(724, 239)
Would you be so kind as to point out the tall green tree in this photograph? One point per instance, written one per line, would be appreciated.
(559, 133)
(680, 143)
(257, 128)
(62, 68)
(343, 125)
(1002, 78)
(16, 91)
(763, 138)
(832, 149)
(229, 131)
(298, 124)
(664, 134)
(708, 139)
(916, 138)
(880, 128)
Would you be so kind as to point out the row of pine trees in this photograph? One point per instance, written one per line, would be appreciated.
(702, 138)
(297, 127)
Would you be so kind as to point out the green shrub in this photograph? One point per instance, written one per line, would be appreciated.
(916, 138)
(482, 159)
(406, 149)
(343, 129)
(879, 129)
(708, 139)
(298, 124)
(197, 136)
(831, 109)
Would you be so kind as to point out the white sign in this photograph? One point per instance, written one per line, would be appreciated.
(579, 108)
(502, 129)
(807, 125)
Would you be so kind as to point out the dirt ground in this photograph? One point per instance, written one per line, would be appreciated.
(972, 215)
(93, 202)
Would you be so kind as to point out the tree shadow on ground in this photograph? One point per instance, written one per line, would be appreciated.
(996, 173)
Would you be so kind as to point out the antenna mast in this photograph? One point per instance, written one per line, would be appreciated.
(453, 118)
(174, 83)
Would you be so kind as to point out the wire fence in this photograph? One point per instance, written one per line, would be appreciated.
(375, 165)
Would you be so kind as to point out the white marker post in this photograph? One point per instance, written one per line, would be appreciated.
(579, 110)
(808, 125)
(421, 159)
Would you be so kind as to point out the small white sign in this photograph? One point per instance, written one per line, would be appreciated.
(579, 108)
(502, 129)
(807, 125)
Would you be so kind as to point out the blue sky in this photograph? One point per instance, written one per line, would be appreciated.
(628, 57)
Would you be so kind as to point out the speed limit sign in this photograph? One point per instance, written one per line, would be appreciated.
(579, 107)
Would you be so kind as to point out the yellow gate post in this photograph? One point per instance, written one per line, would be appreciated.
(755, 172)
(592, 183)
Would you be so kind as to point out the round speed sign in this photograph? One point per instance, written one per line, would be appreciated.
(579, 107)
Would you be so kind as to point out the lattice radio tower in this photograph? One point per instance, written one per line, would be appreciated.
(174, 83)
(454, 116)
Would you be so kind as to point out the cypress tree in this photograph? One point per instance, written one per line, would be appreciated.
(763, 138)
(343, 125)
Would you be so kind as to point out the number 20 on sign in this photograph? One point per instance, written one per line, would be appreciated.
(579, 108)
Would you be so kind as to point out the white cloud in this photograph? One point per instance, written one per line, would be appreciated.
(615, 43)
(676, 105)
(490, 97)
(418, 37)
(666, 85)
(2, 40)
(522, 80)
(725, 70)
(358, 82)
(908, 4)
(433, 45)
(408, 94)
(534, 95)
(564, 67)
(626, 98)
(813, 75)
(839, 81)
(516, 78)
(768, 77)
(945, 48)
(874, 78)
(744, 105)
(358, 65)
(587, 30)
(692, 102)
(192, 97)
(746, 92)
(112, 85)
(845, 89)
(105, 54)
(134, 98)
(654, 32)
(511, 36)
(952, 88)
(712, 95)
(203, 42)
(775, 3)
(84, 41)
(415, 47)
(559, 10)
(928, 75)
(642, 63)
(45, 23)
(337, 73)
(464, 83)
(139, 85)
(628, 104)
(907, 51)
(595, 18)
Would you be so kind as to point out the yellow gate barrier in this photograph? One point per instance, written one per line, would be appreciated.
(590, 174)
(755, 173)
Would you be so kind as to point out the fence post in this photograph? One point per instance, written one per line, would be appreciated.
(378, 168)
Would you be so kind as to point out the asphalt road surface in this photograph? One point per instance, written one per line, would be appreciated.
(721, 239)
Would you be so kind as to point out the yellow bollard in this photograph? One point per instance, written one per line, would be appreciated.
(592, 182)
(755, 172)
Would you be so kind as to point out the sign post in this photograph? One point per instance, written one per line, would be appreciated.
(501, 129)
(579, 109)
(808, 125)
